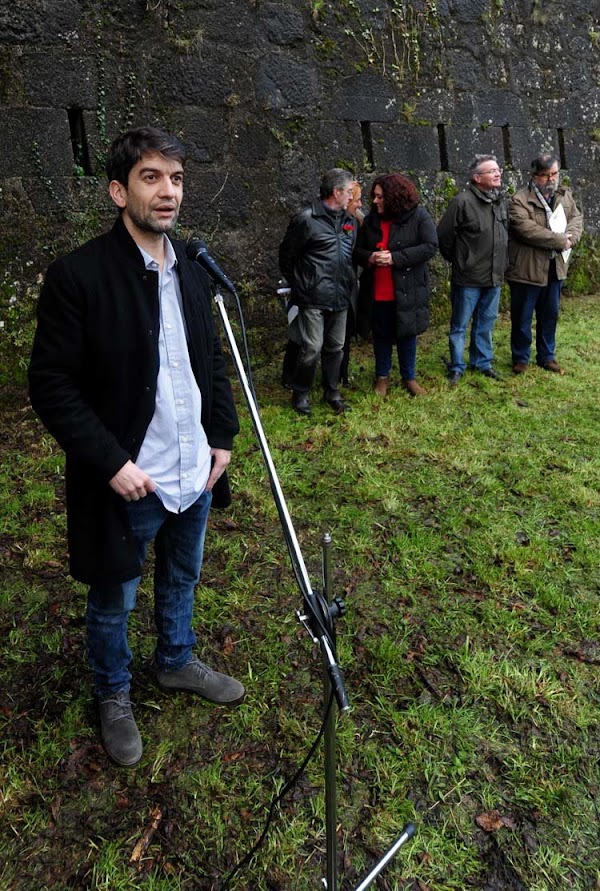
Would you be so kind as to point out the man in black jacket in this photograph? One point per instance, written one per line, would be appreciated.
(473, 237)
(315, 257)
(128, 375)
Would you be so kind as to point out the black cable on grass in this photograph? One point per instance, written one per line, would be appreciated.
(279, 798)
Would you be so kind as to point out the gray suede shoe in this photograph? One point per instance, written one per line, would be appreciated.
(196, 677)
(118, 729)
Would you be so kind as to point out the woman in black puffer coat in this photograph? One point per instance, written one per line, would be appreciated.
(393, 246)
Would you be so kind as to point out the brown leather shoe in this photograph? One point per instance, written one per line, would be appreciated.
(413, 388)
(552, 365)
(520, 367)
(381, 386)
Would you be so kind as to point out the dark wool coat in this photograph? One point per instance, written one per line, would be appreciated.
(473, 236)
(93, 375)
(413, 241)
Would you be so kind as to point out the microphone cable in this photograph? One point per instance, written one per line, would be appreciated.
(279, 798)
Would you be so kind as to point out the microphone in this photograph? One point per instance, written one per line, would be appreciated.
(197, 250)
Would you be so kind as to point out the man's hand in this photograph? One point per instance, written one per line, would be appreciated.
(131, 482)
(222, 458)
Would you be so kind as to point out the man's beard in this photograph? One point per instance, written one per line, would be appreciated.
(149, 224)
(548, 190)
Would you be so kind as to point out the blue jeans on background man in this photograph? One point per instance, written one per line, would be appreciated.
(179, 546)
(384, 338)
(480, 307)
(545, 302)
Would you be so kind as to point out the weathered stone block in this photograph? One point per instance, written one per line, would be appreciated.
(466, 67)
(202, 131)
(555, 113)
(214, 199)
(582, 153)
(57, 80)
(39, 21)
(341, 145)
(284, 25)
(463, 143)
(252, 145)
(588, 200)
(297, 181)
(235, 24)
(365, 97)
(439, 107)
(468, 10)
(35, 140)
(499, 107)
(527, 75)
(527, 143)
(284, 83)
(216, 78)
(405, 148)
(12, 91)
(590, 107)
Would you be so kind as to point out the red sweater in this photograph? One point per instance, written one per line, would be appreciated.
(383, 286)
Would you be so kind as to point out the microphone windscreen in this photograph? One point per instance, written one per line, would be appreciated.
(194, 247)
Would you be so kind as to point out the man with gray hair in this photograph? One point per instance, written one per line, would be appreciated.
(473, 237)
(315, 257)
(544, 225)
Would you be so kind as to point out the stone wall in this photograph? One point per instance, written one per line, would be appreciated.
(269, 93)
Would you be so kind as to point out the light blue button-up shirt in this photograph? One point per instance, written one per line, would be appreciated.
(175, 452)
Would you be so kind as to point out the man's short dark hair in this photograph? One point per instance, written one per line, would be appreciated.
(477, 161)
(544, 162)
(337, 178)
(130, 147)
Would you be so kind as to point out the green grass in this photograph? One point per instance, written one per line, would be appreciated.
(466, 534)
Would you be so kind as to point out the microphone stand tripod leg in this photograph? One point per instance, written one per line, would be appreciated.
(331, 882)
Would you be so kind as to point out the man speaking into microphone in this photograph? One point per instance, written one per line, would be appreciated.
(128, 375)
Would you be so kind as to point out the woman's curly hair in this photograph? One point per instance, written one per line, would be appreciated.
(399, 194)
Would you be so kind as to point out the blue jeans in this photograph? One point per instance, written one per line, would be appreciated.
(179, 546)
(323, 333)
(480, 307)
(384, 338)
(545, 302)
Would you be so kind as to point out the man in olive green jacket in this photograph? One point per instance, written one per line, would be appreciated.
(544, 224)
(473, 236)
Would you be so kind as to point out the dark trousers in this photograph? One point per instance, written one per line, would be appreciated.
(322, 333)
(525, 300)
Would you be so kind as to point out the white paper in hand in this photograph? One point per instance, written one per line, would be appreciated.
(558, 223)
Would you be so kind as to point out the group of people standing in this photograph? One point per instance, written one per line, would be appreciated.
(484, 235)
(128, 375)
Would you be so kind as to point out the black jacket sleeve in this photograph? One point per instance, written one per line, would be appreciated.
(57, 376)
(426, 243)
(292, 245)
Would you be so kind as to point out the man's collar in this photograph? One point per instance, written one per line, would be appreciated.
(332, 211)
(170, 257)
(481, 193)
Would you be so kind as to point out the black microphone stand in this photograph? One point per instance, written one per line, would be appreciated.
(318, 615)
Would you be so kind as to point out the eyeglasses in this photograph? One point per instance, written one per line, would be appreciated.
(551, 175)
(493, 171)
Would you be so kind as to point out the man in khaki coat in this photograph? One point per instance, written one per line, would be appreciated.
(544, 224)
